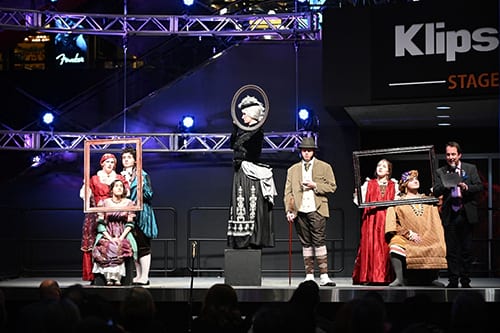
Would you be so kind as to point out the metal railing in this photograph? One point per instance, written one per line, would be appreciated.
(335, 242)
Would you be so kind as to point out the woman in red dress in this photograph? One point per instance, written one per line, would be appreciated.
(99, 190)
(372, 265)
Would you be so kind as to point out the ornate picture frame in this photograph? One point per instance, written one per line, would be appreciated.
(422, 158)
(114, 146)
(259, 94)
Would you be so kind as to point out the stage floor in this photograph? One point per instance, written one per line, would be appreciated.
(272, 289)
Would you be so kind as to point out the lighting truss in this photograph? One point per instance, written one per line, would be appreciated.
(282, 26)
(151, 142)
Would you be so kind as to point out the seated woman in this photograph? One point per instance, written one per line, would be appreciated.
(415, 236)
(115, 248)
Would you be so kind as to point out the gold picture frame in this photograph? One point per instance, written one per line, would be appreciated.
(427, 163)
(114, 146)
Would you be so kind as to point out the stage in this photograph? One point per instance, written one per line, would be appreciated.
(272, 289)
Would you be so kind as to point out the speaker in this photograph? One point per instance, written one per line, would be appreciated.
(242, 267)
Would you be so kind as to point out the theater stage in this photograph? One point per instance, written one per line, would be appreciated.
(272, 289)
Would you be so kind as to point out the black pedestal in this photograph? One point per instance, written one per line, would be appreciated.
(242, 267)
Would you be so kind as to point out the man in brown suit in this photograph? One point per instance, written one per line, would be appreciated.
(308, 183)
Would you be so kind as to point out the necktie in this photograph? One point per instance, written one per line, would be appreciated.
(456, 195)
(307, 165)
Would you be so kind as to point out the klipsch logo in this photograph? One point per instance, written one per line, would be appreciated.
(431, 39)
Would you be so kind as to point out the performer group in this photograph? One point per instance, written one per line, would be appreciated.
(401, 243)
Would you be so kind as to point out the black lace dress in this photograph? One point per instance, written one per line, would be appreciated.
(250, 224)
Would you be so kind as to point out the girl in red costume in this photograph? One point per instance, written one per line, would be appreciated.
(372, 265)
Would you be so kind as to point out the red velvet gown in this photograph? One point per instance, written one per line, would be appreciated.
(373, 265)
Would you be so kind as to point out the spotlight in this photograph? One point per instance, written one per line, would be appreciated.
(37, 160)
(185, 126)
(48, 118)
(307, 120)
(187, 123)
(303, 114)
(188, 2)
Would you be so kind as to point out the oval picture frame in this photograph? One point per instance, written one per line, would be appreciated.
(236, 100)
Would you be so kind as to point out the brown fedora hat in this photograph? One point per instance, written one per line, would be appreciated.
(308, 143)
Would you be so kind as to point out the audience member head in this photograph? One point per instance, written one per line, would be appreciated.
(75, 293)
(306, 296)
(138, 305)
(61, 316)
(49, 290)
(220, 304)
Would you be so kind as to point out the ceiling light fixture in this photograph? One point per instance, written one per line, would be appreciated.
(443, 107)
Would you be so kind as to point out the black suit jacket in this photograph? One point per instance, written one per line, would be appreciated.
(470, 176)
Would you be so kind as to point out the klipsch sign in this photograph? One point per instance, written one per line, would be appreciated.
(435, 51)
(437, 40)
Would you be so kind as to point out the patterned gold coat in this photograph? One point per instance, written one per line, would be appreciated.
(424, 220)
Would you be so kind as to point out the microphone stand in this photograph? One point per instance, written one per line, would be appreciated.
(190, 304)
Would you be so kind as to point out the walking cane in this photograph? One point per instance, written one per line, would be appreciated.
(290, 253)
(289, 208)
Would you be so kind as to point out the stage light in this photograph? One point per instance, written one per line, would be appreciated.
(37, 160)
(185, 126)
(48, 118)
(303, 114)
(187, 123)
(188, 2)
(307, 120)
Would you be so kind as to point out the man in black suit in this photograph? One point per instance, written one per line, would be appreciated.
(458, 183)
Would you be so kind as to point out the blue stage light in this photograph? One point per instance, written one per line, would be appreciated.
(303, 114)
(187, 122)
(48, 118)
(307, 120)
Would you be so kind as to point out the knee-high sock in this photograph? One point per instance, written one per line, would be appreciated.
(308, 254)
(398, 263)
(322, 259)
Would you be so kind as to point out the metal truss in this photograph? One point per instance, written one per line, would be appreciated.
(44, 141)
(282, 26)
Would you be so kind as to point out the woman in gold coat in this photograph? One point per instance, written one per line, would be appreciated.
(415, 235)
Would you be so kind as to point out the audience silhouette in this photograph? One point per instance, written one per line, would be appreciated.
(138, 312)
(220, 312)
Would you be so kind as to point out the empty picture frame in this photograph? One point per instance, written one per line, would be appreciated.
(114, 146)
(421, 158)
